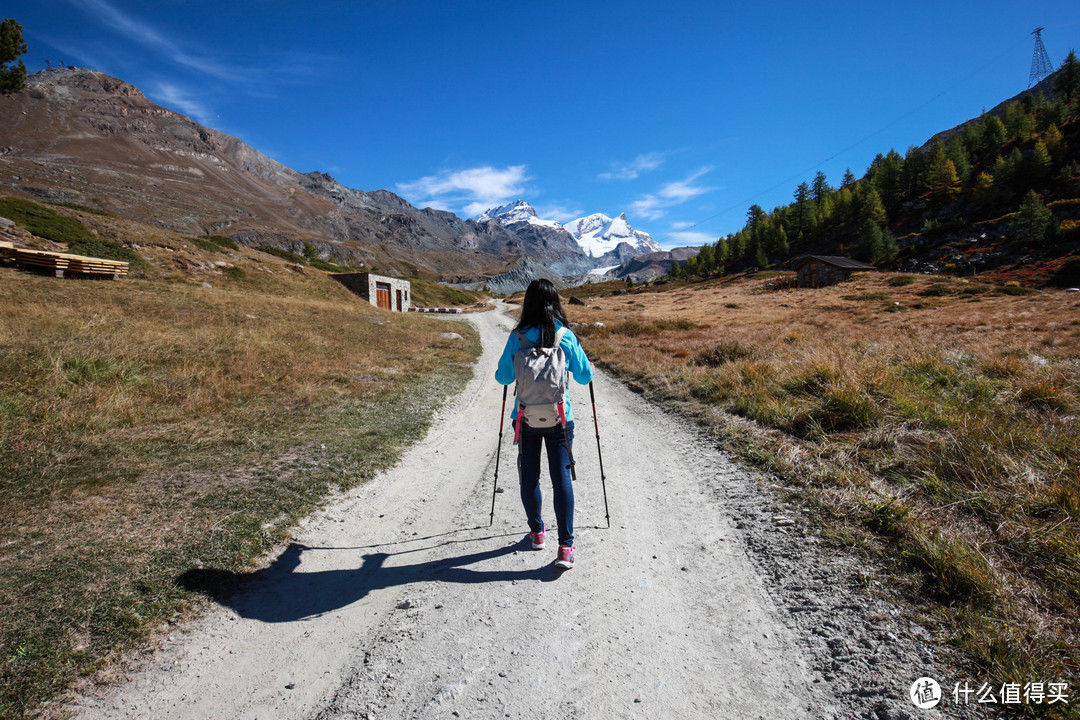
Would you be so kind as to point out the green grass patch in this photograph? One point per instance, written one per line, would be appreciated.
(84, 208)
(283, 254)
(1016, 290)
(901, 280)
(43, 221)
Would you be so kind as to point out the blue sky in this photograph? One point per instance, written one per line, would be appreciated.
(680, 114)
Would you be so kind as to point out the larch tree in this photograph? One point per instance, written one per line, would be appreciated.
(12, 69)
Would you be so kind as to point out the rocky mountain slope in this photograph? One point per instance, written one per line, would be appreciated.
(76, 135)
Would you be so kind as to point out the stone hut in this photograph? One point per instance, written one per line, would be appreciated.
(384, 292)
(821, 270)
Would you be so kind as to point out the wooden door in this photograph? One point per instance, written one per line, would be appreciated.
(399, 301)
(382, 295)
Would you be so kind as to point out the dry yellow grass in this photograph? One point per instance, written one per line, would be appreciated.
(155, 424)
(933, 424)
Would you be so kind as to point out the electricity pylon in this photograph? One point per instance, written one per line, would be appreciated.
(1040, 61)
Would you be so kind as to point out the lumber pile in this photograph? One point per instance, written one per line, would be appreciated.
(58, 263)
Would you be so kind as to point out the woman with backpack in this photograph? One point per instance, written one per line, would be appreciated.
(539, 353)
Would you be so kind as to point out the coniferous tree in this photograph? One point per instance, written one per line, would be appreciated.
(705, 260)
(1013, 172)
(869, 205)
(849, 178)
(889, 181)
(1055, 143)
(914, 171)
(722, 254)
(820, 189)
(12, 69)
(985, 192)
(760, 260)
(1067, 80)
(958, 152)
(690, 267)
(993, 136)
(1034, 223)
(1042, 165)
(868, 241)
(802, 207)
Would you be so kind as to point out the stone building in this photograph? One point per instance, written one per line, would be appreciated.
(821, 270)
(381, 291)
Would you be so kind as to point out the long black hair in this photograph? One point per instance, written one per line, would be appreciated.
(541, 308)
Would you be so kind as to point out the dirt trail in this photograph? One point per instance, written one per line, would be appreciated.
(399, 601)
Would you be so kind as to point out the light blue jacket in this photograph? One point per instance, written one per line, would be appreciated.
(576, 361)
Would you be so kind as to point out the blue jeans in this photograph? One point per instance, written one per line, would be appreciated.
(561, 483)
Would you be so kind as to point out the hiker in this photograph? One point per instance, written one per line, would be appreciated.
(543, 324)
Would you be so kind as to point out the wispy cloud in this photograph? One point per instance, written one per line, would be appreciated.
(690, 238)
(151, 38)
(173, 96)
(560, 213)
(472, 191)
(655, 205)
(634, 168)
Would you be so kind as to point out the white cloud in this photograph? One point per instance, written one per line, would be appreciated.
(634, 168)
(655, 205)
(172, 96)
(690, 238)
(151, 38)
(559, 213)
(473, 190)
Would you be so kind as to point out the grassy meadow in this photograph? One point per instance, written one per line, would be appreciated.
(183, 417)
(928, 423)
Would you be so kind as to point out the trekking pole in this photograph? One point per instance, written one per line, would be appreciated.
(596, 424)
(498, 452)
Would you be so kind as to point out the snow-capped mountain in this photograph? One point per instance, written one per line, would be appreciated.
(598, 235)
(517, 211)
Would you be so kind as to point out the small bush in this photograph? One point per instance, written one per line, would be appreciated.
(84, 208)
(328, 266)
(106, 249)
(1014, 290)
(674, 324)
(204, 244)
(901, 280)
(885, 517)
(936, 290)
(634, 328)
(723, 352)
(283, 254)
(215, 243)
(955, 572)
(845, 409)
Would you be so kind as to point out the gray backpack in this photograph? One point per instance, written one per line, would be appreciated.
(541, 381)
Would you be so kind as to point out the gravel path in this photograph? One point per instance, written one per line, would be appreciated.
(702, 600)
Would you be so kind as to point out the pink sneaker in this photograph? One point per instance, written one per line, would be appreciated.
(537, 539)
(566, 557)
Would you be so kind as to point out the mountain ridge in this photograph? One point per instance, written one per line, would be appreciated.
(80, 136)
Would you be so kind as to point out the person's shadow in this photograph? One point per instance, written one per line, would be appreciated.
(278, 594)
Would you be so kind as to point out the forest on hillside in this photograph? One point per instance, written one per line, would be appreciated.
(1000, 190)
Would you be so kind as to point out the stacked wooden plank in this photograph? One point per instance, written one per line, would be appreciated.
(60, 262)
(97, 266)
